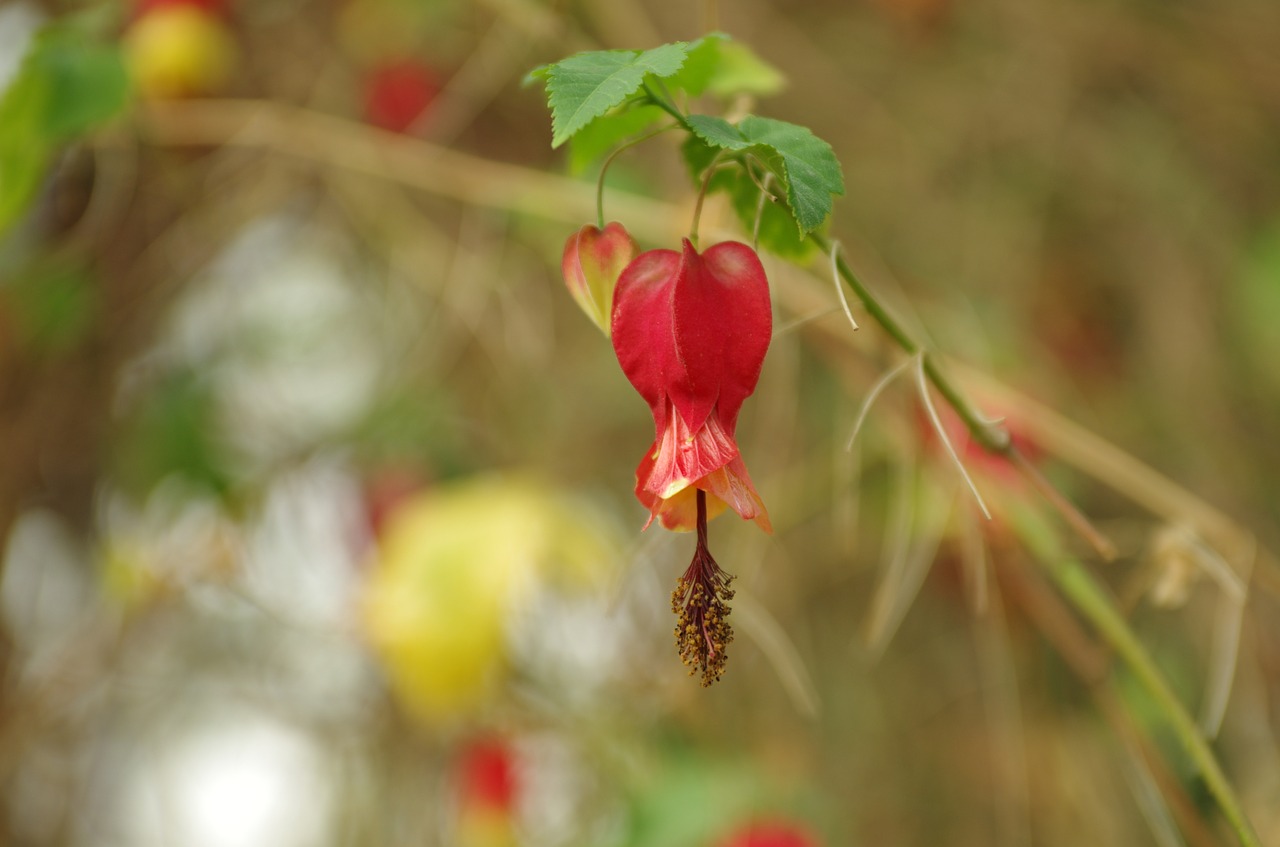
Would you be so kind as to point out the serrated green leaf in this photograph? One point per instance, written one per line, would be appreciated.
(588, 85)
(812, 170)
(804, 164)
(717, 132)
(778, 233)
(597, 138)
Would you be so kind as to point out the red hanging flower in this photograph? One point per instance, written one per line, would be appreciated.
(691, 332)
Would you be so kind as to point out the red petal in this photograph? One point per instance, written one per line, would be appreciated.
(681, 458)
(679, 463)
(643, 330)
(723, 325)
(678, 513)
(694, 328)
(732, 485)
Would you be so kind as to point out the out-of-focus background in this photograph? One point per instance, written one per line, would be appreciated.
(315, 488)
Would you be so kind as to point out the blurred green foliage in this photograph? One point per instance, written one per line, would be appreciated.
(67, 85)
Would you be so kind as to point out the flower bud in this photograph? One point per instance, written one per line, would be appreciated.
(594, 258)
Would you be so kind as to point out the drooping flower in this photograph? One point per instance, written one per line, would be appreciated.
(691, 331)
(593, 260)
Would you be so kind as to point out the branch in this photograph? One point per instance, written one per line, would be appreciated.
(1090, 599)
(336, 142)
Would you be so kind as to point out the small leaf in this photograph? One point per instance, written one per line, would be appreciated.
(538, 74)
(172, 431)
(725, 68)
(65, 87)
(778, 234)
(717, 132)
(740, 71)
(52, 308)
(597, 138)
(812, 170)
(702, 65)
(88, 84)
(24, 147)
(588, 85)
(805, 164)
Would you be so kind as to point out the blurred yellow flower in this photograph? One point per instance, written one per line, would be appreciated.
(453, 564)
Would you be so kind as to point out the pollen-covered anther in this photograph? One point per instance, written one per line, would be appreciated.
(701, 605)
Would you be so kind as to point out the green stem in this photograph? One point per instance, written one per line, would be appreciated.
(604, 169)
(1071, 577)
(1089, 598)
(664, 103)
(990, 436)
(702, 195)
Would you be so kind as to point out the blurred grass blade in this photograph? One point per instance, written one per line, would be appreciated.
(916, 534)
(997, 666)
(1225, 651)
(922, 383)
(976, 564)
(874, 393)
(769, 635)
(1147, 794)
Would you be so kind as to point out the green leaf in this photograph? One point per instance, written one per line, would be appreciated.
(725, 68)
(804, 164)
(741, 71)
(52, 307)
(583, 87)
(778, 233)
(717, 132)
(172, 431)
(701, 66)
(88, 84)
(694, 801)
(24, 146)
(65, 87)
(698, 154)
(600, 136)
(812, 170)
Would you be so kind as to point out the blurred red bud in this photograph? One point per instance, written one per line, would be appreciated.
(399, 93)
(771, 834)
(487, 775)
(212, 7)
